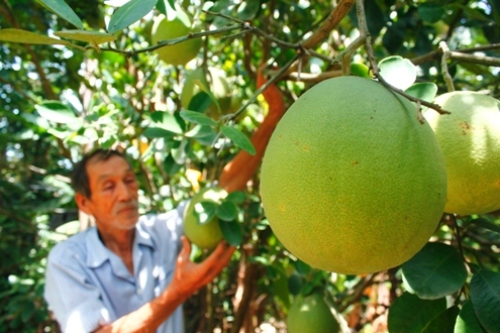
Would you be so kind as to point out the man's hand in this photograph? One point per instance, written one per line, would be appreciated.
(190, 276)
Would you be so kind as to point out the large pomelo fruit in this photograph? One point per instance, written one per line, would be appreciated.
(311, 314)
(208, 234)
(352, 181)
(163, 29)
(470, 141)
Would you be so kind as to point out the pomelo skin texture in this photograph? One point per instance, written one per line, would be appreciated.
(470, 141)
(180, 53)
(352, 182)
(310, 314)
(209, 234)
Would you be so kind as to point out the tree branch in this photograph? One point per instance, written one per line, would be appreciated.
(329, 24)
(444, 66)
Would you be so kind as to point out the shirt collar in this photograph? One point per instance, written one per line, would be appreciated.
(142, 237)
(98, 253)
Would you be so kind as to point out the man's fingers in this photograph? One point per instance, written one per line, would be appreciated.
(186, 249)
(220, 257)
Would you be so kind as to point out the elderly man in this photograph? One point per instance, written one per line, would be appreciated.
(131, 273)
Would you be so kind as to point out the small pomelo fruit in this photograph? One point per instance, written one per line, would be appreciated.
(216, 82)
(352, 181)
(311, 314)
(208, 234)
(163, 29)
(470, 141)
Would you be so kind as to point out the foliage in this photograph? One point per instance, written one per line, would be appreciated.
(90, 78)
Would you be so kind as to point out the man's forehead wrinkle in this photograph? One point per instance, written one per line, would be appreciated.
(114, 172)
(108, 172)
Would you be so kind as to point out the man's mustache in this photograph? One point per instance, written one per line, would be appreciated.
(129, 206)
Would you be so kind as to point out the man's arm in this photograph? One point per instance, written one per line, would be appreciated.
(188, 278)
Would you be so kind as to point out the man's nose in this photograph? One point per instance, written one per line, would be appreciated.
(124, 192)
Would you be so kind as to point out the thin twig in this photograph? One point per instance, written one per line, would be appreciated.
(376, 73)
(309, 77)
(177, 40)
(345, 56)
(411, 98)
(460, 55)
(444, 66)
(273, 79)
(457, 235)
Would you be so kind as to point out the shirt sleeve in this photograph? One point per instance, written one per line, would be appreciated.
(74, 301)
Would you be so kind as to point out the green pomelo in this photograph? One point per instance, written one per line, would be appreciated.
(311, 314)
(352, 181)
(215, 82)
(180, 53)
(360, 70)
(470, 141)
(208, 234)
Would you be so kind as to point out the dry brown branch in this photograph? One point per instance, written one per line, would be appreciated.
(462, 55)
(309, 77)
(337, 14)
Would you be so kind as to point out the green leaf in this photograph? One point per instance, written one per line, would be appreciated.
(129, 13)
(197, 118)
(170, 166)
(484, 223)
(227, 211)
(430, 13)
(200, 102)
(467, 321)
(443, 323)
(180, 151)
(63, 10)
(91, 37)
(164, 6)
(57, 112)
(204, 87)
(236, 197)
(232, 232)
(425, 91)
(28, 310)
(295, 283)
(280, 288)
(203, 134)
(157, 132)
(437, 270)
(410, 314)
(485, 297)
(205, 211)
(28, 37)
(167, 121)
(248, 9)
(238, 138)
(398, 71)
(302, 267)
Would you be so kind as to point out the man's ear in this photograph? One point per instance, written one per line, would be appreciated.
(83, 203)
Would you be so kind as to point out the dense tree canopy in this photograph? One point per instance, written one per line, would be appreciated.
(75, 75)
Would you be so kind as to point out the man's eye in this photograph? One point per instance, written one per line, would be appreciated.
(108, 186)
(130, 180)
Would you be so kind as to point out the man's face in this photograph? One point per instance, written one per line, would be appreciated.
(113, 201)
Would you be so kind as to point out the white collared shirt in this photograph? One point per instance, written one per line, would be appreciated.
(88, 286)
